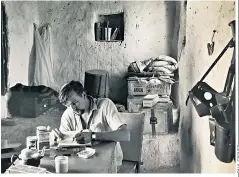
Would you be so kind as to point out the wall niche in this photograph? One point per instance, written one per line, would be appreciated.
(110, 28)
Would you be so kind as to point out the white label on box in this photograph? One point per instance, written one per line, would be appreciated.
(139, 90)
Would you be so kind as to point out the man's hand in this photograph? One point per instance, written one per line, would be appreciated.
(83, 137)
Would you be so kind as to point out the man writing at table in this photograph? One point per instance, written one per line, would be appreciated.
(91, 119)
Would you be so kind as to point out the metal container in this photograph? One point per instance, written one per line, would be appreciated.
(42, 133)
(98, 32)
(43, 136)
(224, 144)
(31, 142)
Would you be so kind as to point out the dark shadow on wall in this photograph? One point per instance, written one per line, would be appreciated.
(173, 17)
(170, 18)
(190, 153)
(186, 141)
(176, 115)
(5, 50)
(190, 157)
(32, 61)
(173, 27)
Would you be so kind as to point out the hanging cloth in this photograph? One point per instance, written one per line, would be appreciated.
(44, 66)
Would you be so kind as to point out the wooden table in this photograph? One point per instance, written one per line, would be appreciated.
(7, 150)
(103, 161)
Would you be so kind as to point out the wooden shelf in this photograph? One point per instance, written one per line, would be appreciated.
(113, 21)
(109, 41)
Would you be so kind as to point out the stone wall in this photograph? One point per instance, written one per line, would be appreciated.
(197, 155)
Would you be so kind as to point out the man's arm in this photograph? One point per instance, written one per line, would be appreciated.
(119, 130)
(121, 134)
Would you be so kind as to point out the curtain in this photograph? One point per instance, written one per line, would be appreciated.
(43, 74)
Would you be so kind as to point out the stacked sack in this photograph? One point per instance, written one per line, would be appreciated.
(163, 64)
(157, 72)
(149, 91)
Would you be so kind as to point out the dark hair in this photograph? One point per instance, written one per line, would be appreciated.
(66, 90)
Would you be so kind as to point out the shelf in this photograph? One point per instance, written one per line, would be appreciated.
(109, 26)
(110, 41)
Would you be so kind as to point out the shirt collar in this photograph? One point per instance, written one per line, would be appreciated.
(93, 105)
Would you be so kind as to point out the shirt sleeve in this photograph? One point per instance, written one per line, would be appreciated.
(65, 123)
(112, 115)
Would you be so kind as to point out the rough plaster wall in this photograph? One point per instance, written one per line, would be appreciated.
(21, 16)
(149, 28)
(159, 152)
(76, 51)
(202, 18)
(4, 112)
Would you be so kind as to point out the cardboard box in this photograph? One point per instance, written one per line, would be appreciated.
(150, 100)
(143, 86)
(135, 103)
(164, 99)
(163, 111)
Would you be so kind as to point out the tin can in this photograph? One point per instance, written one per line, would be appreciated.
(31, 142)
(43, 136)
(40, 129)
(42, 133)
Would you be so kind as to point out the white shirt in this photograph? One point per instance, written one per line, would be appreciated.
(105, 118)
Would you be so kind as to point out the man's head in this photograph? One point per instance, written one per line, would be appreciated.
(73, 94)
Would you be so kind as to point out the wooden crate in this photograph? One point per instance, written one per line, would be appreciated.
(163, 113)
(135, 103)
(137, 88)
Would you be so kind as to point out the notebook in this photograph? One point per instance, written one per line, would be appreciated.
(68, 142)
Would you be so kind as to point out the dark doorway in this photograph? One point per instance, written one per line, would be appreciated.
(5, 50)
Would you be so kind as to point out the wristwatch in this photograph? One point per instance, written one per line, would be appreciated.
(93, 136)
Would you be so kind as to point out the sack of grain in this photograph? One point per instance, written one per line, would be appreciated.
(166, 58)
(160, 69)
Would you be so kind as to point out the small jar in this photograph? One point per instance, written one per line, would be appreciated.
(31, 142)
(43, 136)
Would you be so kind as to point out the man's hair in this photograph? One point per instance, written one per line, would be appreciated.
(66, 90)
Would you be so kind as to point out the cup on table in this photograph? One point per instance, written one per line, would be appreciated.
(4, 143)
(61, 164)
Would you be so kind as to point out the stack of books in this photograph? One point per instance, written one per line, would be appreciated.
(19, 168)
(150, 100)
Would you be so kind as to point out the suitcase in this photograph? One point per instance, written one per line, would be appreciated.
(33, 106)
(30, 101)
